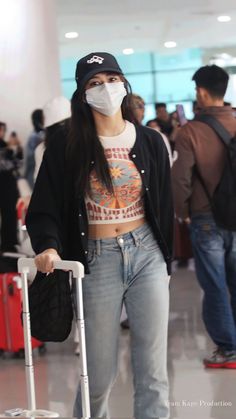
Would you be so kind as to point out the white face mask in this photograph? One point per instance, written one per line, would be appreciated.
(106, 98)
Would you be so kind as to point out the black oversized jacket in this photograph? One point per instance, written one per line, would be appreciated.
(57, 216)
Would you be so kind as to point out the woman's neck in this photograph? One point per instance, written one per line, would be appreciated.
(109, 126)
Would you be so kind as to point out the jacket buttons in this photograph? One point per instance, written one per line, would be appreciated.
(82, 234)
(142, 171)
(80, 215)
(133, 155)
(147, 189)
(86, 252)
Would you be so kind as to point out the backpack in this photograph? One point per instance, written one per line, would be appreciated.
(223, 201)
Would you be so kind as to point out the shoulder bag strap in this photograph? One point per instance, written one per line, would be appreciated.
(219, 129)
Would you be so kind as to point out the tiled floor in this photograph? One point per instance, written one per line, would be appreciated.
(194, 391)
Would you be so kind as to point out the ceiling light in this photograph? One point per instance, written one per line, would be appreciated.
(224, 18)
(225, 56)
(128, 51)
(71, 35)
(220, 62)
(170, 44)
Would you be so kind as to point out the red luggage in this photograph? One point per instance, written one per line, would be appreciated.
(11, 329)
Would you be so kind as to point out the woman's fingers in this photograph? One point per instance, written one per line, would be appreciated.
(45, 261)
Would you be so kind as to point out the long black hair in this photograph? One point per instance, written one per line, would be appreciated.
(84, 149)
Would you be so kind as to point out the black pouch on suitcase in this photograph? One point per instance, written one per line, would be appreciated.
(50, 305)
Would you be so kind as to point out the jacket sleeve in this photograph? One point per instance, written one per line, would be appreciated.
(45, 213)
(182, 173)
(166, 216)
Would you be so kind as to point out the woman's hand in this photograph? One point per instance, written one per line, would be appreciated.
(44, 261)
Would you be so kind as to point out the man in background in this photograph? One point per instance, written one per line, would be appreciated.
(163, 119)
(201, 150)
(36, 137)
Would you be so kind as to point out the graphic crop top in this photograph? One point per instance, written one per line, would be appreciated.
(126, 204)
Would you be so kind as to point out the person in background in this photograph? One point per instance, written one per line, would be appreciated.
(174, 119)
(154, 125)
(163, 119)
(199, 147)
(15, 145)
(34, 140)
(135, 113)
(8, 194)
(57, 113)
(182, 244)
(135, 108)
(103, 197)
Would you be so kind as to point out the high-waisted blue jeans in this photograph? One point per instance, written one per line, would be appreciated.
(128, 269)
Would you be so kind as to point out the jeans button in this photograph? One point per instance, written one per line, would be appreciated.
(120, 240)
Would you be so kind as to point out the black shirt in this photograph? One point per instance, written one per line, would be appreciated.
(57, 217)
(165, 126)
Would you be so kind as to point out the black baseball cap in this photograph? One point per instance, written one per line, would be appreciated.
(96, 62)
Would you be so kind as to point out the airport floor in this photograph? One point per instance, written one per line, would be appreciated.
(195, 393)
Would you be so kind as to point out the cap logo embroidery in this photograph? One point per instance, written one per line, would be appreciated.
(95, 59)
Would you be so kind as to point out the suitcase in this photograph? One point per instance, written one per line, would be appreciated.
(11, 330)
(182, 243)
(76, 269)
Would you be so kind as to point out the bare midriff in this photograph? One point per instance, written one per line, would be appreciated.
(106, 231)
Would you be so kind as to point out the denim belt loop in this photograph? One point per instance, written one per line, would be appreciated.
(98, 247)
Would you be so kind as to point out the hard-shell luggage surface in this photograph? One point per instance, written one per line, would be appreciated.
(11, 329)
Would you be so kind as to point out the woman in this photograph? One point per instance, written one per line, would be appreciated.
(154, 125)
(136, 109)
(104, 198)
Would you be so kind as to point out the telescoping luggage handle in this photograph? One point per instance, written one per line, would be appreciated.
(25, 266)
